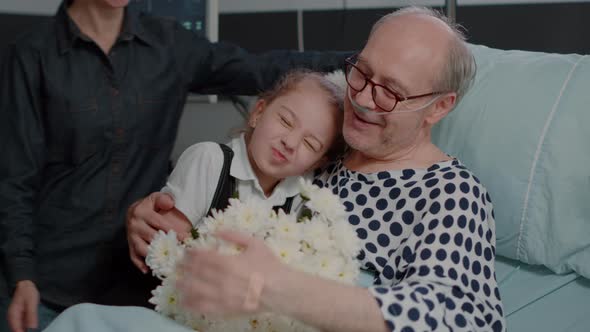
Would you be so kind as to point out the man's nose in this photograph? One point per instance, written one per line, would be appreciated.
(365, 97)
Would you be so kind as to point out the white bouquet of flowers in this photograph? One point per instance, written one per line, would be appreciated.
(319, 241)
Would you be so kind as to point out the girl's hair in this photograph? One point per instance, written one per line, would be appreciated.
(290, 81)
(334, 92)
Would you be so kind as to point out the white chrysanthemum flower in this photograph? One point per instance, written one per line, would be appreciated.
(210, 224)
(166, 298)
(326, 204)
(163, 253)
(349, 272)
(231, 324)
(307, 189)
(304, 265)
(317, 233)
(337, 77)
(307, 248)
(287, 250)
(328, 264)
(286, 226)
(347, 240)
(191, 243)
(195, 322)
(250, 216)
(284, 323)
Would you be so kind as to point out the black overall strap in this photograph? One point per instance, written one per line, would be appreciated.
(226, 184)
(286, 207)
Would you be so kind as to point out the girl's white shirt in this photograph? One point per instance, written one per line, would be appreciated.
(194, 179)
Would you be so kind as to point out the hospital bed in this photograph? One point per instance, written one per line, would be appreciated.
(523, 129)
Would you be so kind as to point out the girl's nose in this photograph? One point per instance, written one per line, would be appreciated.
(291, 140)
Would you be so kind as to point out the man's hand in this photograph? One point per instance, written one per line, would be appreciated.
(214, 283)
(22, 312)
(145, 218)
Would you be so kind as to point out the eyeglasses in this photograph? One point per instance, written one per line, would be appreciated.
(385, 98)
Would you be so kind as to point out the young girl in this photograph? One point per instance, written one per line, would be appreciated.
(292, 129)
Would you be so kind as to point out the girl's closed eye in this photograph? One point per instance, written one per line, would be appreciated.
(285, 122)
(312, 145)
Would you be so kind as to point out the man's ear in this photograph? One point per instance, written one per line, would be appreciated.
(441, 108)
(256, 112)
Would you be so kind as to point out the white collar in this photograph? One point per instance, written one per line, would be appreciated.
(241, 169)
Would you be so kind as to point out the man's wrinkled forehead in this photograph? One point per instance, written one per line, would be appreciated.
(411, 30)
(390, 81)
(405, 46)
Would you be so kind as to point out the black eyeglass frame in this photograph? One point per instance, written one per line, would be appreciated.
(398, 97)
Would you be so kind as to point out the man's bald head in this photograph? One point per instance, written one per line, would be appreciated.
(434, 39)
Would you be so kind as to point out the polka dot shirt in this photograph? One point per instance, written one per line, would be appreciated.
(429, 235)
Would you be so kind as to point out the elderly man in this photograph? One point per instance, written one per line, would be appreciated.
(425, 220)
